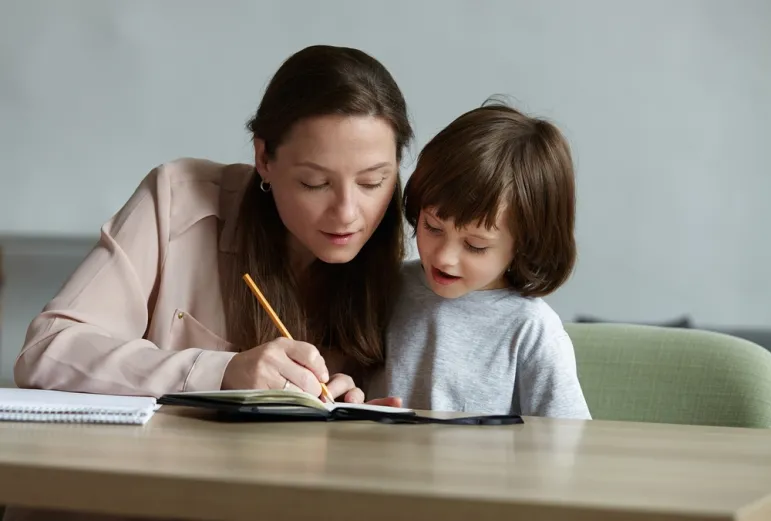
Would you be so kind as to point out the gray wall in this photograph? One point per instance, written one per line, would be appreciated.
(666, 105)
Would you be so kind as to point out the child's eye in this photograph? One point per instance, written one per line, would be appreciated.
(313, 187)
(430, 228)
(474, 249)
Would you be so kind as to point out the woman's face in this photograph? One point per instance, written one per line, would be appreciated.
(332, 179)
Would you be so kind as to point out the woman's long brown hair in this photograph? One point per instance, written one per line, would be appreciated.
(333, 306)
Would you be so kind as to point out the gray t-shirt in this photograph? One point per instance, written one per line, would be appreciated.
(487, 352)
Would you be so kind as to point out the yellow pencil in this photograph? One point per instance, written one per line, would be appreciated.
(277, 321)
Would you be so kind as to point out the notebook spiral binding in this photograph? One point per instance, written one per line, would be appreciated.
(72, 418)
(71, 415)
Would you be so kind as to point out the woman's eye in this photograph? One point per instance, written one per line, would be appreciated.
(313, 187)
(371, 186)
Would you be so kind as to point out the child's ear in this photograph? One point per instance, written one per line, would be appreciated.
(261, 160)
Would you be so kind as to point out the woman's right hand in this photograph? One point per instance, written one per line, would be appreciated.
(272, 364)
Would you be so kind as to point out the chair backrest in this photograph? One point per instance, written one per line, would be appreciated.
(666, 375)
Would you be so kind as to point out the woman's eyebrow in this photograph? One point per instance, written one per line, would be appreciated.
(373, 168)
(320, 168)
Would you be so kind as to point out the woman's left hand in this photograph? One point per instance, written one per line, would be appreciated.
(343, 389)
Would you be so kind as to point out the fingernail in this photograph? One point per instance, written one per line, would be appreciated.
(325, 377)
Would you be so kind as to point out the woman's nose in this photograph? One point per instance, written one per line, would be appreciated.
(345, 207)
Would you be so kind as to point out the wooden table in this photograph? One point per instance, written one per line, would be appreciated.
(182, 464)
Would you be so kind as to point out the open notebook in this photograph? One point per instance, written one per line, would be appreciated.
(283, 405)
(273, 403)
(37, 405)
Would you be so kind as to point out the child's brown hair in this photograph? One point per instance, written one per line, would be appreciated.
(495, 157)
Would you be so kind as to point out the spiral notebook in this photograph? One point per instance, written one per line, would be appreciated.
(37, 405)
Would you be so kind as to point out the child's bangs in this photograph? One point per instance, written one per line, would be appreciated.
(468, 198)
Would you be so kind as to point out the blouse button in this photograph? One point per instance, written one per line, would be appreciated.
(180, 315)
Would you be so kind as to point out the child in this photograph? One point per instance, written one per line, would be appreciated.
(493, 207)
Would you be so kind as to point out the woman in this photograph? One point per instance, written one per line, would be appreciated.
(160, 306)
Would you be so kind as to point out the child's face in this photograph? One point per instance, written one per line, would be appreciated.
(456, 261)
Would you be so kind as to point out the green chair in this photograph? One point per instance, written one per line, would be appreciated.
(667, 375)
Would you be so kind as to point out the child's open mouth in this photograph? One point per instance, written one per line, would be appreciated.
(443, 278)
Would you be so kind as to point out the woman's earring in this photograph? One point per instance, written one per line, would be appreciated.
(265, 187)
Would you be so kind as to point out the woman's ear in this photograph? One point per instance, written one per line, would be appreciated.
(261, 159)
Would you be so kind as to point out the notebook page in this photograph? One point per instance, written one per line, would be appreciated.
(366, 407)
(257, 397)
(39, 400)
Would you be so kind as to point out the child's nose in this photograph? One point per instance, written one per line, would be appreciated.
(446, 255)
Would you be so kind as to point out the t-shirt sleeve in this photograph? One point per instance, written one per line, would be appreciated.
(548, 379)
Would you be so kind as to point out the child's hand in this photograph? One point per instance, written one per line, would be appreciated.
(390, 401)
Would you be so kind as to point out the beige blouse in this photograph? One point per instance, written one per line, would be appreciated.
(143, 314)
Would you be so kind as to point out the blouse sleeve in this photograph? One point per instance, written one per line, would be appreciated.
(89, 337)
